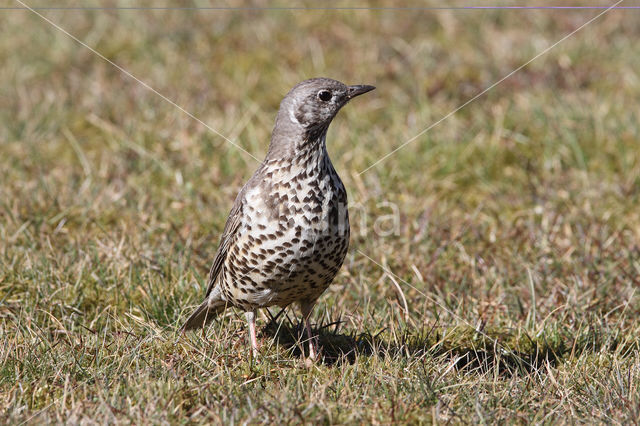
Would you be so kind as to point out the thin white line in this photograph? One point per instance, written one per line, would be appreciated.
(491, 87)
(388, 271)
(137, 79)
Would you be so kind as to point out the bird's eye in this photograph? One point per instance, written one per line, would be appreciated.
(324, 95)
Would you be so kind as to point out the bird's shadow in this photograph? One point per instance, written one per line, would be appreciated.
(467, 348)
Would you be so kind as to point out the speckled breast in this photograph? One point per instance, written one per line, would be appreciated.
(293, 237)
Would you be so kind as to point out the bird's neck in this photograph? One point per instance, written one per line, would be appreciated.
(298, 146)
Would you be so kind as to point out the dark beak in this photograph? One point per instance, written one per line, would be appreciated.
(358, 90)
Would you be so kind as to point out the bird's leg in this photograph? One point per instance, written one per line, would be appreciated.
(306, 313)
(251, 319)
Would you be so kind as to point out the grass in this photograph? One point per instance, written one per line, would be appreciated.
(516, 246)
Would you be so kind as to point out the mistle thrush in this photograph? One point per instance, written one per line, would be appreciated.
(288, 231)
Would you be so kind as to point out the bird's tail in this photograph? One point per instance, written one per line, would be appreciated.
(208, 310)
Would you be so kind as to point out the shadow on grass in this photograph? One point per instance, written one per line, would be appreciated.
(469, 349)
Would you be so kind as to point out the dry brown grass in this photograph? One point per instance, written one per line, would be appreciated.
(517, 246)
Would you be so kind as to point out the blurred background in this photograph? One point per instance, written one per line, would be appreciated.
(518, 212)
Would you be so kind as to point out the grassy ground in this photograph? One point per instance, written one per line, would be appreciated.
(516, 244)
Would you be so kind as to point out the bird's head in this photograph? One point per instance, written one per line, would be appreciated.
(313, 103)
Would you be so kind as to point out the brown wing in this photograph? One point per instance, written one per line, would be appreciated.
(228, 235)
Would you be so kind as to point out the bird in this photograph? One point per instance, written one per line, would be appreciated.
(288, 231)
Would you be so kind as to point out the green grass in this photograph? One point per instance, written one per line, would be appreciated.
(517, 242)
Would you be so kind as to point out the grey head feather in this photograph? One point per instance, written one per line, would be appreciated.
(306, 112)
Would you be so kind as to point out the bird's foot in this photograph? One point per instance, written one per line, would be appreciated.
(314, 353)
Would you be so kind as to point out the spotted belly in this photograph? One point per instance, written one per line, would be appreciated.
(285, 277)
(288, 258)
